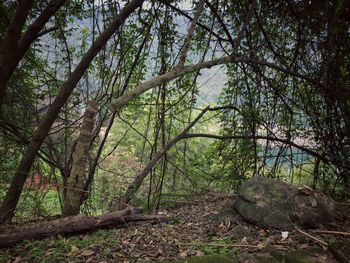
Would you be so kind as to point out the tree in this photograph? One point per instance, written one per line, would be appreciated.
(283, 66)
(9, 204)
(14, 45)
(77, 178)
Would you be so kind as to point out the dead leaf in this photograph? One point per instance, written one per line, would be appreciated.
(264, 243)
(244, 240)
(263, 233)
(260, 204)
(222, 229)
(156, 254)
(125, 243)
(87, 253)
(304, 246)
(89, 259)
(183, 254)
(199, 253)
(132, 247)
(305, 190)
(313, 203)
(74, 250)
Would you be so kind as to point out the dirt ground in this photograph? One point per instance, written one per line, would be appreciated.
(196, 228)
(199, 228)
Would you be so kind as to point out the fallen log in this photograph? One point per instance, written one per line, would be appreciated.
(76, 225)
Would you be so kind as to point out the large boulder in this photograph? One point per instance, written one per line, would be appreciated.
(270, 203)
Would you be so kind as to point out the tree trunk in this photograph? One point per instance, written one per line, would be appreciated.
(12, 196)
(14, 47)
(9, 44)
(77, 178)
(76, 225)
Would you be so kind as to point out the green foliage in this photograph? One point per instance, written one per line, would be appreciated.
(58, 249)
(306, 103)
(218, 246)
(35, 204)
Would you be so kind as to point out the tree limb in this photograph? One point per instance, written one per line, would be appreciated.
(189, 35)
(12, 196)
(76, 224)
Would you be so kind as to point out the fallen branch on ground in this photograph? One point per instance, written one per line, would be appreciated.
(331, 232)
(223, 245)
(312, 237)
(76, 225)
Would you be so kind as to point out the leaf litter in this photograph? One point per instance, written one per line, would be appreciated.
(195, 231)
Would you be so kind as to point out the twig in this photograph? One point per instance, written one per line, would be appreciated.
(222, 245)
(190, 33)
(240, 35)
(312, 237)
(181, 12)
(331, 232)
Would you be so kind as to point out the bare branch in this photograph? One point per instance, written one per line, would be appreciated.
(177, 72)
(11, 199)
(221, 22)
(237, 41)
(256, 137)
(189, 35)
(46, 31)
(199, 24)
(134, 186)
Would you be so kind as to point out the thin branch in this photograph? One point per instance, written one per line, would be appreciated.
(199, 24)
(256, 137)
(222, 245)
(340, 233)
(46, 31)
(134, 186)
(221, 22)
(189, 35)
(177, 72)
(312, 237)
(34, 29)
(239, 37)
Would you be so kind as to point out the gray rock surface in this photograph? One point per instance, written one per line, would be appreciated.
(270, 203)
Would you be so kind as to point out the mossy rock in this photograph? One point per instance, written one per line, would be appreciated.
(270, 203)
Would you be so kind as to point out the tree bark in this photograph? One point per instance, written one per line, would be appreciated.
(76, 224)
(12, 196)
(14, 47)
(9, 44)
(181, 71)
(77, 178)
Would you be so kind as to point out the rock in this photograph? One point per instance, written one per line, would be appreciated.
(269, 203)
(227, 212)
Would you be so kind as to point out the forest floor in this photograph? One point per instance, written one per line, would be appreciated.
(197, 229)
